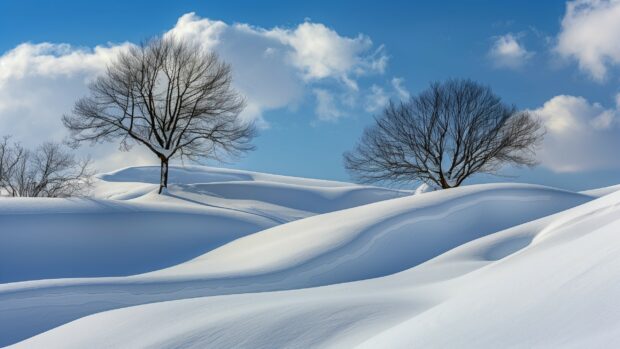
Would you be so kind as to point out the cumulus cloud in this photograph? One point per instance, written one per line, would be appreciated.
(320, 52)
(580, 135)
(274, 68)
(508, 52)
(590, 34)
(53, 60)
(40, 82)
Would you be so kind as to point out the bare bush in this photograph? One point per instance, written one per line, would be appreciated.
(48, 171)
(444, 135)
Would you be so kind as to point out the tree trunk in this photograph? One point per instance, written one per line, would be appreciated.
(443, 182)
(163, 177)
(445, 186)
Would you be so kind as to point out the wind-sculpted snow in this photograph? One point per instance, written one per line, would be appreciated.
(545, 283)
(602, 191)
(292, 196)
(202, 174)
(81, 237)
(145, 231)
(359, 243)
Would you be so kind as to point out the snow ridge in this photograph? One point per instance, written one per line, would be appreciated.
(308, 263)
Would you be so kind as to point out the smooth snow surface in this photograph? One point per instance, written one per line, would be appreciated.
(240, 259)
(129, 229)
(602, 191)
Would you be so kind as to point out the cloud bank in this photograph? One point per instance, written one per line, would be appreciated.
(590, 34)
(274, 68)
(580, 135)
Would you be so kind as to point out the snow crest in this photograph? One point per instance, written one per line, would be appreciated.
(308, 263)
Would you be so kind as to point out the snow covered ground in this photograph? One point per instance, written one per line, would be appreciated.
(231, 258)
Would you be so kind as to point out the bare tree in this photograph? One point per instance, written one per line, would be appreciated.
(444, 135)
(10, 156)
(169, 95)
(49, 171)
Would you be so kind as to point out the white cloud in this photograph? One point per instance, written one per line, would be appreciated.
(320, 52)
(260, 68)
(508, 52)
(376, 99)
(54, 60)
(40, 82)
(311, 49)
(580, 135)
(401, 91)
(273, 68)
(590, 34)
(206, 31)
(326, 108)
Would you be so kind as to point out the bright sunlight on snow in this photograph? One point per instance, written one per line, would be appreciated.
(304, 263)
(275, 174)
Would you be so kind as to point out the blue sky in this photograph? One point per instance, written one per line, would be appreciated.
(530, 53)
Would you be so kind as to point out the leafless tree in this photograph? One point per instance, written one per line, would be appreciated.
(444, 135)
(10, 156)
(49, 171)
(172, 97)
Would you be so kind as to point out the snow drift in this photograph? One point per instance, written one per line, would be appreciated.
(129, 229)
(499, 265)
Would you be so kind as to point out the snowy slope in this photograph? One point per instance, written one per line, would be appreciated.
(84, 237)
(498, 265)
(129, 229)
(519, 287)
(598, 192)
(280, 198)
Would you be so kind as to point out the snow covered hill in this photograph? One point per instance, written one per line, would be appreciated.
(128, 229)
(238, 259)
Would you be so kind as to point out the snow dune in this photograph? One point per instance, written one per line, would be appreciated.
(377, 239)
(81, 237)
(598, 192)
(499, 265)
(129, 229)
